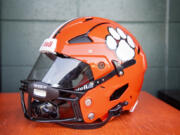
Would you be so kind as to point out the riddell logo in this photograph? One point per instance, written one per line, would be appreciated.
(48, 44)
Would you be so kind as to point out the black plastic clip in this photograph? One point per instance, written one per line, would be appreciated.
(119, 68)
(117, 109)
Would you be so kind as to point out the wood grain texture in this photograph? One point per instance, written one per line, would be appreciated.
(151, 117)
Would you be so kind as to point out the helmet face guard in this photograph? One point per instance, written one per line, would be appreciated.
(44, 102)
(51, 94)
(48, 89)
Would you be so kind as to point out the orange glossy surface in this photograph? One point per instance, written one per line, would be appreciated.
(101, 94)
(88, 52)
(151, 117)
(95, 52)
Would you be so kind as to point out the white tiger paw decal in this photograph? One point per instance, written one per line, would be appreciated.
(121, 43)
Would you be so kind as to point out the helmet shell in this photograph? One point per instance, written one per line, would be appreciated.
(86, 39)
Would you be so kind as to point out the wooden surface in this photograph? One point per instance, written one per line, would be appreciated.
(151, 117)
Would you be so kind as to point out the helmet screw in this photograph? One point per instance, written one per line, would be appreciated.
(121, 73)
(90, 51)
(88, 102)
(91, 116)
(101, 65)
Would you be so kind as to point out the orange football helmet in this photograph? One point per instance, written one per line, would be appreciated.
(89, 70)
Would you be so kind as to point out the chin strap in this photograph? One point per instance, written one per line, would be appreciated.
(112, 113)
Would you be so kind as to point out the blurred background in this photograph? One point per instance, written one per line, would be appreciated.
(24, 24)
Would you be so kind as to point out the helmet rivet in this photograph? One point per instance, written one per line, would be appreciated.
(101, 65)
(90, 51)
(91, 116)
(88, 102)
(121, 73)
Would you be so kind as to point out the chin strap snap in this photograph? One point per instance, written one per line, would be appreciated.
(117, 109)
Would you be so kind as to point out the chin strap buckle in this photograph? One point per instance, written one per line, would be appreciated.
(117, 109)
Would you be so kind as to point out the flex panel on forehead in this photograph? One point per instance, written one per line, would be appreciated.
(84, 38)
(53, 35)
(49, 45)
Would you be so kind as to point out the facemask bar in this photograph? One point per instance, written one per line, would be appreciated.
(51, 94)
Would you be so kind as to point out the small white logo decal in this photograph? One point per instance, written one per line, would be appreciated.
(40, 93)
(49, 45)
(133, 108)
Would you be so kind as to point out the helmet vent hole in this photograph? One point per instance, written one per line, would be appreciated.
(84, 38)
(138, 49)
(88, 19)
(117, 93)
(102, 87)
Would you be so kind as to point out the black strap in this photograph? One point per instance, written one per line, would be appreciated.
(128, 63)
(85, 125)
(118, 68)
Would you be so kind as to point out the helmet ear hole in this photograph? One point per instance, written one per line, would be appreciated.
(88, 19)
(117, 93)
